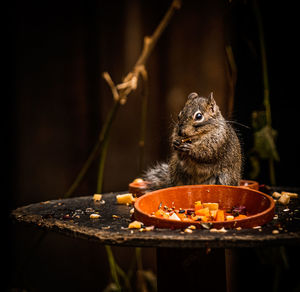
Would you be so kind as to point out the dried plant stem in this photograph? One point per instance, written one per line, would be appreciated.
(231, 72)
(113, 268)
(120, 93)
(150, 42)
(96, 149)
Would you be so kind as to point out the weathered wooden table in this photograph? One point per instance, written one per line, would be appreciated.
(178, 253)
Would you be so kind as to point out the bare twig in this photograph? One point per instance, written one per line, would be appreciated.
(113, 88)
(129, 83)
(231, 72)
(120, 93)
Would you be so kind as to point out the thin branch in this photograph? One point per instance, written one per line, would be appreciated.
(129, 83)
(150, 42)
(112, 86)
(96, 149)
(113, 268)
(120, 93)
(231, 72)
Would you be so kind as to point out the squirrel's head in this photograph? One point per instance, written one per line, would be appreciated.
(199, 115)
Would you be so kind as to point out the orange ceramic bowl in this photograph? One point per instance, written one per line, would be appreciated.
(138, 189)
(259, 206)
(252, 184)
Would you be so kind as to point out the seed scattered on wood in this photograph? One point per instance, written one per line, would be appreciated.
(222, 230)
(188, 230)
(95, 216)
(135, 224)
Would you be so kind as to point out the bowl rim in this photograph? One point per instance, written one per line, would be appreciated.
(249, 218)
(249, 181)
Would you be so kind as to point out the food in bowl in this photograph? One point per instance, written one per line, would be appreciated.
(258, 207)
(201, 212)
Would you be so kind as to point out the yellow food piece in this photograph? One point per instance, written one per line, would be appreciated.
(204, 218)
(202, 212)
(125, 199)
(135, 224)
(229, 217)
(213, 213)
(222, 230)
(188, 230)
(291, 195)
(97, 197)
(94, 216)
(276, 195)
(211, 206)
(138, 180)
(284, 199)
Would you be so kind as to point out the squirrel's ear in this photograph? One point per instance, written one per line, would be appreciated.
(212, 102)
(192, 95)
(211, 98)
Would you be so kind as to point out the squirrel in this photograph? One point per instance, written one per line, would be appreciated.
(206, 149)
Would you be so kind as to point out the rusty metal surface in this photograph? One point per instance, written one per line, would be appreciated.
(72, 218)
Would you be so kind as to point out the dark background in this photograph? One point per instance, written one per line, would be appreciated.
(59, 101)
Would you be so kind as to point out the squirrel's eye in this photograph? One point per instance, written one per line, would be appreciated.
(198, 116)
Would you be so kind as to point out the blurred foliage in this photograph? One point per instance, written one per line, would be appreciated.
(264, 144)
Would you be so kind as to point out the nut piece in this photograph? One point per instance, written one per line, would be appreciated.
(284, 199)
(276, 195)
(222, 230)
(95, 216)
(138, 181)
(291, 195)
(97, 197)
(188, 230)
(125, 199)
(135, 224)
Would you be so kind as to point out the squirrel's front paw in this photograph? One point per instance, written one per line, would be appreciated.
(182, 146)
